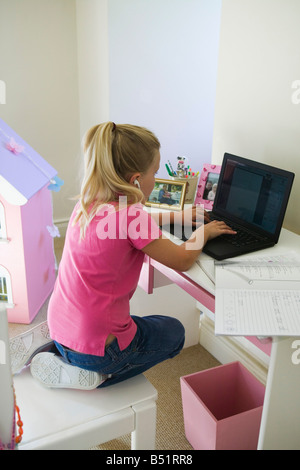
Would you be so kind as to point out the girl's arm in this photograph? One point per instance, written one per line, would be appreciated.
(195, 215)
(181, 257)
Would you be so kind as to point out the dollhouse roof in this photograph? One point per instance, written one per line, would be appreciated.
(23, 172)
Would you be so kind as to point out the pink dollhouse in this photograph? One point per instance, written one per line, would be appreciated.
(27, 261)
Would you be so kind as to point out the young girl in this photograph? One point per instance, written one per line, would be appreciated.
(97, 342)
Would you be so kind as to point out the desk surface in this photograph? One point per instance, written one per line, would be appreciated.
(288, 241)
(199, 285)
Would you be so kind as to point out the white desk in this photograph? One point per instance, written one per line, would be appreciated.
(280, 425)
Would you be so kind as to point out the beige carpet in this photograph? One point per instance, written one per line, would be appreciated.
(166, 379)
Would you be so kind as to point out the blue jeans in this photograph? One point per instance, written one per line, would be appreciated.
(157, 338)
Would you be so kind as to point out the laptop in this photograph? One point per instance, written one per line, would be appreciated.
(251, 198)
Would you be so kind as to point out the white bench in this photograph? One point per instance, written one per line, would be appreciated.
(64, 419)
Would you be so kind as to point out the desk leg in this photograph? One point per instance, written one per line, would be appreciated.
(280, 424)
(147, 276)
(143, 437)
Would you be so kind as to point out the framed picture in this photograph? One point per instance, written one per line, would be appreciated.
(167, 194)
(207, 185)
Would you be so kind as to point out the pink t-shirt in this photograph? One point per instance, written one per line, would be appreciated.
(97, 277)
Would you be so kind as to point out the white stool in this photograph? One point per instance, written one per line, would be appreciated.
(65, 419)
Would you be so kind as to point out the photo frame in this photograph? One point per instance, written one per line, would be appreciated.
(167, 194)
(207, 185)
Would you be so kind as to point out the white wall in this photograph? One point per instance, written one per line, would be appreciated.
(93, 68)
(259, 61)
(162, 72)
(68, 65)
(38, 63)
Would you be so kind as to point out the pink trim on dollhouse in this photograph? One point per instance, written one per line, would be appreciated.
(203, 180)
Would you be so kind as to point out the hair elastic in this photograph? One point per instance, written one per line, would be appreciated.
(114, 127)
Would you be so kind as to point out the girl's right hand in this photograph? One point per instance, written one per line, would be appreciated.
(216, 228)
(182, 257)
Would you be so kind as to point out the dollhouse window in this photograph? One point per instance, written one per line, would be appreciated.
(3, 290)
(2, 223)
(5, 287)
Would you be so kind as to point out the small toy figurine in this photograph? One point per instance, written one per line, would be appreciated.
(180, 166)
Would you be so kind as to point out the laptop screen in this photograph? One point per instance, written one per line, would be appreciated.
(253, 193)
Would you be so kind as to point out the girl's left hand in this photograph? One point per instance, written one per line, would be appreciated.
(195, 216)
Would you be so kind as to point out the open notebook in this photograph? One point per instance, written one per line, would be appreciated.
(258, 296)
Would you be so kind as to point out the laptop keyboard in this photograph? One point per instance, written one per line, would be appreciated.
(241, 238)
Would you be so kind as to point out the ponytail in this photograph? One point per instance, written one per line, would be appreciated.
(112, 154)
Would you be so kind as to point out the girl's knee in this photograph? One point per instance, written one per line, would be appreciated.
(178, 332)
(178, 327)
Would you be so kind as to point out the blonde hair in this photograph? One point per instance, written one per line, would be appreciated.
(112, 154)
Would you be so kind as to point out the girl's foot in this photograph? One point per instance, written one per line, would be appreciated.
(24, 346)
(51, 371)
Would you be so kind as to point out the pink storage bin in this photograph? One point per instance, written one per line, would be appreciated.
(222, 408)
